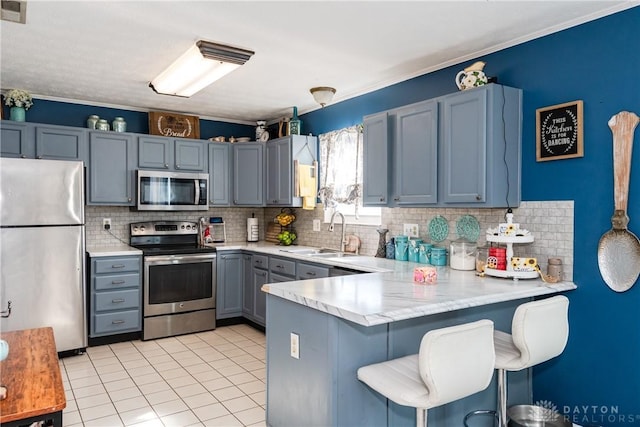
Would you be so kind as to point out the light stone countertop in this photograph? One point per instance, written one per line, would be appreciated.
(112, 250)
(385, 292)
(388, 293)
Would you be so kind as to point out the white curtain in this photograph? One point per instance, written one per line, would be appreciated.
(341, 168)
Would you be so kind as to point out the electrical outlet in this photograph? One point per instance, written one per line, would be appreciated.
(411, 230)
(106, 223)
(316, 225)
(295, 346)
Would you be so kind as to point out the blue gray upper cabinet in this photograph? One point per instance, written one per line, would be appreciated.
(31, 140)
(415, 152)
(458, 150)
(248, 174)
(377, 149)
(190, 155)
(17, 139)
(171, 153)
(280, 171)
(61, 143)
(480, 162)
(111, 171)
(219, 174)
(154, 153)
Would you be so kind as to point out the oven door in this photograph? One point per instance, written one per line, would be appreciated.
(179, 283)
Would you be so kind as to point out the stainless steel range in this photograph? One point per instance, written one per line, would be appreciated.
(179, 278)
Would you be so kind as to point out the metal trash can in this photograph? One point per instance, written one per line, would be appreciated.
(534, 416)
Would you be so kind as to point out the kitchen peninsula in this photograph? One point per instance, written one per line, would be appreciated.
(343, 323)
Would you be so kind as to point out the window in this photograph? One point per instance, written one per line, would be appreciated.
(341, 167)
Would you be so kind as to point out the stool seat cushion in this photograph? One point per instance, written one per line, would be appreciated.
(453, 363)
(398, 380)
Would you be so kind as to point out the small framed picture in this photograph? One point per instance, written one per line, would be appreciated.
(559, 132)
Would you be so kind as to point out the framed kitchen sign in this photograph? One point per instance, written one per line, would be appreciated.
(559, 132)
(174, 125)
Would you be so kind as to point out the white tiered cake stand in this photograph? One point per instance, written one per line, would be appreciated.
(510, 273)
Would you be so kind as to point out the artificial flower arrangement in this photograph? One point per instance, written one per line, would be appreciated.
(18, 98)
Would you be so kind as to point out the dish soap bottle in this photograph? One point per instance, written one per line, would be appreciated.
(295, 124)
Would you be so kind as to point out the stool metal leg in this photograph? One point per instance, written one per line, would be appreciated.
(421, 417)
(502, 397)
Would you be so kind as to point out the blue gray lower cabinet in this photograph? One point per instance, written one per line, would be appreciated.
(321, 388)
(115, 295)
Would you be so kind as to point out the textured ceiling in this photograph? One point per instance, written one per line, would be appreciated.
(106, 52)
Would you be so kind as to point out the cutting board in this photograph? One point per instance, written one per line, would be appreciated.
(273, 230)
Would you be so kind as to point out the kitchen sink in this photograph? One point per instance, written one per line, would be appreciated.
(331, 254)
(318, 253)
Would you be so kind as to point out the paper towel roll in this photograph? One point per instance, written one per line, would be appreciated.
(252, 229)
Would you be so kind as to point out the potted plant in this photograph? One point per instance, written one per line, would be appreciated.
(19, 100)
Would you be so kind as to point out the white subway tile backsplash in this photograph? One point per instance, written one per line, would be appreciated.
(550, 222)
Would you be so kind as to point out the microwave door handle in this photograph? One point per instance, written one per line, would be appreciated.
(197, 200)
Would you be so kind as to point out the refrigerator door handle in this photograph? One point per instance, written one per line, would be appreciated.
(6, 313)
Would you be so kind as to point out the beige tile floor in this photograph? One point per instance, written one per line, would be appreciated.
(213, 378)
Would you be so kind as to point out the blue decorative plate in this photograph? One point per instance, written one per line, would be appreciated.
(468, 228)
(438, 228)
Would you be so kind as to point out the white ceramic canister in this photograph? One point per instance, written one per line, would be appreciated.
(92, 121)
(119, 125)
(102, 125)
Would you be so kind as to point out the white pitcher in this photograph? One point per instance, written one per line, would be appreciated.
(472, 76)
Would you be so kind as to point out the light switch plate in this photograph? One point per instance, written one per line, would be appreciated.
(411, 230)
(316, 225)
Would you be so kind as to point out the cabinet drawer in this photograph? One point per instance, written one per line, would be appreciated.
(277, 278)
(117, 300)
(117, 322)
(116, 281)
(311, 271)
(282, 266)
(116, 265)
(260, 261)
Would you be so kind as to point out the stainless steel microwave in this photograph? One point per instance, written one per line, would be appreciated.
(172, 191)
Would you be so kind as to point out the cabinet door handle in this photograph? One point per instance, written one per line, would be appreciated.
(117, 322)
(382, 199)
(117, 300)
(166, 166)
(177, 166)
(224, 257)
(258, 261)
(396, 199)
(263, 274)
(39, 157)
(311, 273)
(23, 157)
(129, 199)
(478, 197)
(117, 266)
(279, 266)
(117, 282)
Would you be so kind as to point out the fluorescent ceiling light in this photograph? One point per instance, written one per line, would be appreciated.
(204, 63)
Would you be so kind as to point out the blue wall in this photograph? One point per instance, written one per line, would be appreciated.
(68, 114)
(598, 63)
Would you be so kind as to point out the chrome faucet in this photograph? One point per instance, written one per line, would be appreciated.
(343, 241)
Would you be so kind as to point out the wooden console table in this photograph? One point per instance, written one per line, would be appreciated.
(32, 376)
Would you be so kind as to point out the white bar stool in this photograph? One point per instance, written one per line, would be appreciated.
(452, 363)
(539, 332)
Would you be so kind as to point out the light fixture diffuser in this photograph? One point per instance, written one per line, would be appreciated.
(323, 94)
(204, 63)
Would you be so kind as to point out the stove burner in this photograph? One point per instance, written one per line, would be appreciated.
(166, 238)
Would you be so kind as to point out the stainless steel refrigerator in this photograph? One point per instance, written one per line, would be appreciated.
(42, 248)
